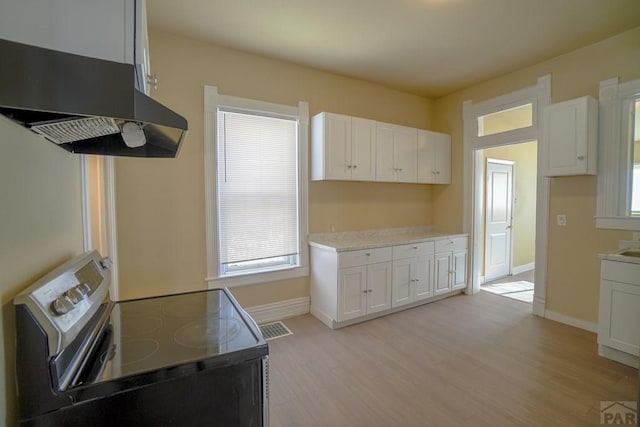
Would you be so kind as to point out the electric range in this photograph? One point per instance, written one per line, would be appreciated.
(186, 359)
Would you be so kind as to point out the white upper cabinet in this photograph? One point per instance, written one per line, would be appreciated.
(396, 149)
(343, 148)
(349, 148)
(570, 137)
(114, 30)
(434, 157)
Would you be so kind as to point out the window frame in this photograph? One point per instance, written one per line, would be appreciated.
(614, 162)
(215, 277)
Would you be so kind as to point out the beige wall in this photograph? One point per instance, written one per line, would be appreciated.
(160, 203)
(524, 207)
(40, 227)
(573, 267)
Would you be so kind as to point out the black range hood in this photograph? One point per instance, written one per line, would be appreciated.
(83, 104)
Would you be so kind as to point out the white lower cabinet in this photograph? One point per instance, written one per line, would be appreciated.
(364, 289)
(353, 284)
(450, 265)
(412, 273)
(619, 312)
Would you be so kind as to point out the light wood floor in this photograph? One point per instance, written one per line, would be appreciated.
(480, 360)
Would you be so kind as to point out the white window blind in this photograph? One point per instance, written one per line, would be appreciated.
(257, 186)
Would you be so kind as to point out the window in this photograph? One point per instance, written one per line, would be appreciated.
(256, 190)
(509, 119)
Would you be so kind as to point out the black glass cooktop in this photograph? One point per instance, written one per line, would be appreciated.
(170, 331)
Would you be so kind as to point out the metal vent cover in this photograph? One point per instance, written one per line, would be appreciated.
(274, 330)
(77, 129)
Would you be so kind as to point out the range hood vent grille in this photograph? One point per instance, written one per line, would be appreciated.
(77, 129)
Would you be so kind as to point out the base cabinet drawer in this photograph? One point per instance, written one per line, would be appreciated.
(364, 257)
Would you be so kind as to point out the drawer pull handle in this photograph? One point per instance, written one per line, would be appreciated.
(368, 254)
(415, 247)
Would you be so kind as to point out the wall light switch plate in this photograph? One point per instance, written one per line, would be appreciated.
(561, 220)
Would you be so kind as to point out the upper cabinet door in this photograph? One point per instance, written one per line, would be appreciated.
(434, 157)
(331, 146)
(337, 146)
(570, 137)
(385, 167)
(101, 29)
(343, 148)
(363, 149)
(396, 152)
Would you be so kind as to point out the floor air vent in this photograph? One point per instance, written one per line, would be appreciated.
(274, 330)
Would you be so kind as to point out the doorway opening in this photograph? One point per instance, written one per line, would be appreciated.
(509, 216)
(505, 120)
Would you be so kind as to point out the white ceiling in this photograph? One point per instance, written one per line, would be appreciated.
(429, 47)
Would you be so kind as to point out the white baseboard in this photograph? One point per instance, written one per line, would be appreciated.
(538, 306)
(279, 310)
(571, 321)
(523, 268)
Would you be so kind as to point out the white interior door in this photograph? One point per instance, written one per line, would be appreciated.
(498, 204)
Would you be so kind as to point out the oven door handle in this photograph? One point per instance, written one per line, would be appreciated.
(79, 362)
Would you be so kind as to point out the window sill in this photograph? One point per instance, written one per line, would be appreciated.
(631, 223)
(236, 280)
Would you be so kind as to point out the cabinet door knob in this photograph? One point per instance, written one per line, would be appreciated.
(370, 290)
(365, 291)
(355, 166)
(368, 254)
(349, 166)
(415, 247)
(580, 157)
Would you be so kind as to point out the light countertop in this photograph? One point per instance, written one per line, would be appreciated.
(368, 239)
(618, 256)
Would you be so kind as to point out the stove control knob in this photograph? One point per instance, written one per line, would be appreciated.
(75, 295)
(84, 288)
(62, 305)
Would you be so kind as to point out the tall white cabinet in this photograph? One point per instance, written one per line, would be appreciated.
(343, 148)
